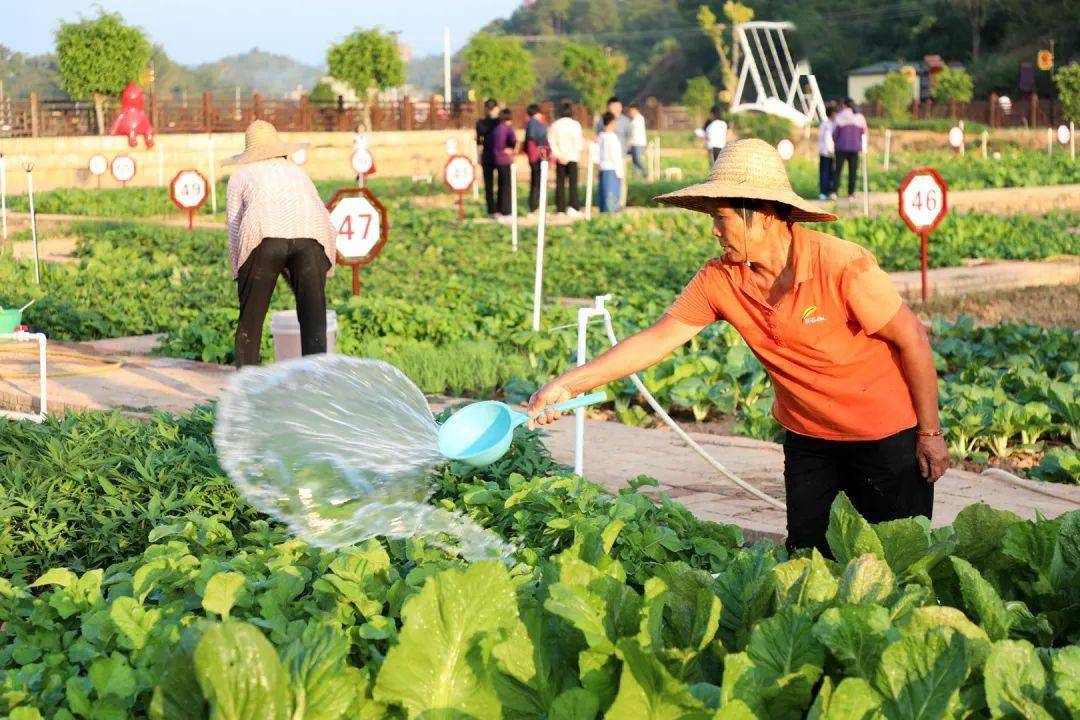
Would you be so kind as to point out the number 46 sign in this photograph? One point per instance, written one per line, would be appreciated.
(361, 224)
(923, 206)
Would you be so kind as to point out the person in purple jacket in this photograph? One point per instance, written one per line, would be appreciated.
(848, 131)
(504, 140)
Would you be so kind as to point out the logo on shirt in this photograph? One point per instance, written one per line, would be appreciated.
(809, 316)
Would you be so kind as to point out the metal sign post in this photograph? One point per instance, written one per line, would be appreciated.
(459, 174)
(888, 147)
(363, 164)
(362, 227)
(188, 192)
(98, 166)
(123, 169)
(923, 204)
(866, 175)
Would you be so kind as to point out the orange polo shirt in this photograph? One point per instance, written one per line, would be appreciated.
(831, 378)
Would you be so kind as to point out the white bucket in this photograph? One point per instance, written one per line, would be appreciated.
(285, 329)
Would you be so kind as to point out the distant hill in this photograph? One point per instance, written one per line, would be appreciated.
(270, 74)
(254, 71)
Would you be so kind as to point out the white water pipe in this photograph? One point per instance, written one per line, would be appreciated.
(513, 207)
(584, 315)
(43, 374)
(538, 283)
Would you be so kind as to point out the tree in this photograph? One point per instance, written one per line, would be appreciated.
(322, 93)
(498, 67)
(1067, 80)
(97, 57)
(593, 70)
(894, 94)
(736, 13)
(976, 11)
(950, 85)
(367, 60)
(700, 96)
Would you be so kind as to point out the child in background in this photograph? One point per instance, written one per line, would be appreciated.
(639, 139)
(715, 134)
(612, 167)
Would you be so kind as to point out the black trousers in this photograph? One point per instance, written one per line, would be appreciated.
(852, 160)
(307, 264)
(566, 174)
(503, 200)
(489, 186)
(881, 477)
(534, 186)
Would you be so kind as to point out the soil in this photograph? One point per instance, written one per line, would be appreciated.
(1046, 306)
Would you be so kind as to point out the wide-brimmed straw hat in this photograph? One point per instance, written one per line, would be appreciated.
(750, 169)
(261, 142)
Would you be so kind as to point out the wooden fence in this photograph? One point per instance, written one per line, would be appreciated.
(1023, 111)
(32, 117)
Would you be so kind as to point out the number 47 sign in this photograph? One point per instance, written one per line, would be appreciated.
(923, 205)
(361, 224)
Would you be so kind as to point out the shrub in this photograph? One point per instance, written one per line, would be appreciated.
(699, 96)
(894, 94)
(322, 93)
(770, 128)
(1067, 80)
(952, 85)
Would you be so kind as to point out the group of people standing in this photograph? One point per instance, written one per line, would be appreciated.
(562, 142)
(840, 140)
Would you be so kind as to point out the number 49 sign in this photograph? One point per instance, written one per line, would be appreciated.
(923, 206)
(361, 224)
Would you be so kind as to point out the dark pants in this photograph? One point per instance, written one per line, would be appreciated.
(489, 185)
(713, 154)
(852, 160)
(307, 264)
(826, 167)
(566, 174)
(881, 477)
(534, 186)
(503, 201)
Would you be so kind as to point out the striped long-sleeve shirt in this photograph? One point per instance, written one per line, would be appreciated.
(275, 198)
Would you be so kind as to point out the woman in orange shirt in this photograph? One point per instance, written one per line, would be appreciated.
(854, 379)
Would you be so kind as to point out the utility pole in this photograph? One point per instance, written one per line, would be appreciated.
(446, 66)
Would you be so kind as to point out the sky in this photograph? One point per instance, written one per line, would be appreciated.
(196, 31)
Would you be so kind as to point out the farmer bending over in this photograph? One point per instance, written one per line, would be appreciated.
(278, 225)
(855, 384)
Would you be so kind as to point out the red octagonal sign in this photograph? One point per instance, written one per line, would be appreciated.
(923, 199)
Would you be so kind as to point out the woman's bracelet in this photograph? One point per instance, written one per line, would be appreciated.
(928, 433)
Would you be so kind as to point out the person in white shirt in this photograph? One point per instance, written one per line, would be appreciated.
(612, 166)
(715, 135)
(566, 140)
(827, 156)
(639, 140)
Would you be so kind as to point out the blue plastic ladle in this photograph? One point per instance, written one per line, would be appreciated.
(480, 433)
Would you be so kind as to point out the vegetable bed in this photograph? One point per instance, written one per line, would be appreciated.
(612, 607)
(450, 306)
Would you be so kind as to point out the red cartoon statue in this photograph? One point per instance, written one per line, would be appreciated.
(132, 121)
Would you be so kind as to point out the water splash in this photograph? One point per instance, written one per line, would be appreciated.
(340, 449)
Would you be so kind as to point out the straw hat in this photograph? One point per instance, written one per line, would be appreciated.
(750, 169)
(261, 142)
